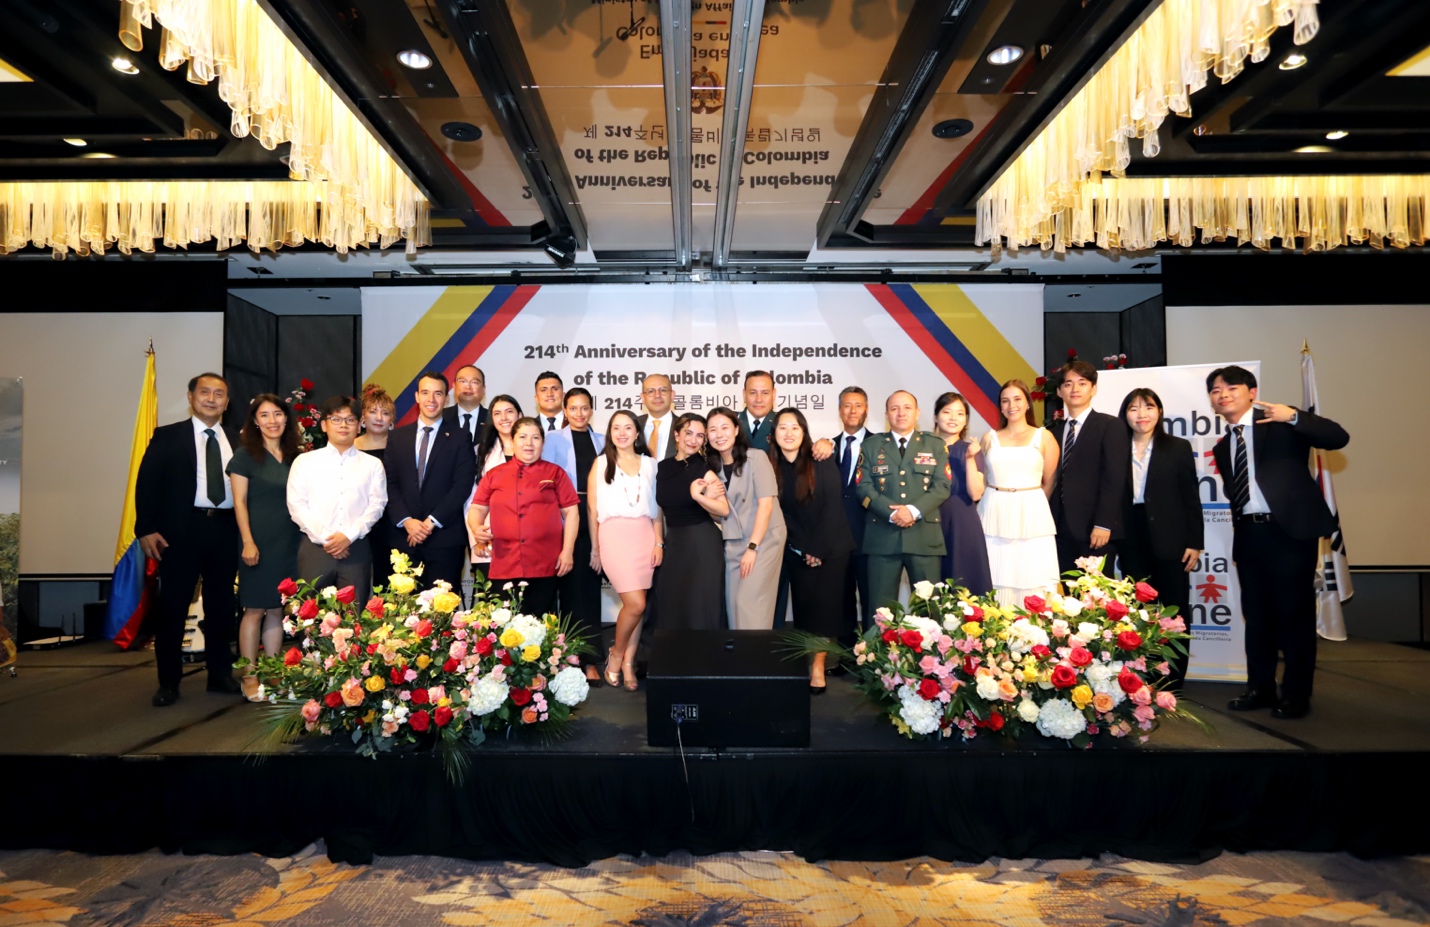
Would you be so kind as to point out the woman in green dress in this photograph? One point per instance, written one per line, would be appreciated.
(259, 474)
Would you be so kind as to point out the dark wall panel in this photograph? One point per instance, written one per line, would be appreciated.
(1093, 334)
(1144, 334)
(250, 361)
(1338, 277)
(322, 348)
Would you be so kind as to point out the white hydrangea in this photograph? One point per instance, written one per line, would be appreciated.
(1060, 718)
(1024, 635)
(1103, 679)
(569, 687)
(923, 589)
(988, 688)
(487, 696)
(531, 628)
(921, 715)
(1028, 710)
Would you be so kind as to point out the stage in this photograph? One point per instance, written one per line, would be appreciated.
(94, 768)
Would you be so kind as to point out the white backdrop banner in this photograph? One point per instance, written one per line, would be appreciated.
(1216, 624)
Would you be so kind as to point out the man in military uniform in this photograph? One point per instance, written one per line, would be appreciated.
(903, 478)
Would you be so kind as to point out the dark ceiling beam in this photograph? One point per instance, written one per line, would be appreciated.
(484, 31)
(927, 47)
(1091, 39)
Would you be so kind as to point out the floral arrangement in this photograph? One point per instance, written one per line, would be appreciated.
(1068, 666)
(307, 413)
(413, 668)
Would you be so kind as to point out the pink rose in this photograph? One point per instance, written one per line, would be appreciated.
(1142, 696)
(311, 710)
(1166, 700)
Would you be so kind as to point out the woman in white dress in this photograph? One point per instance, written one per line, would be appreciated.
(1022, 468)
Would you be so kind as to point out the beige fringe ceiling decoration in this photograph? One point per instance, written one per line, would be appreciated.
(1152, 74)
(347, 192)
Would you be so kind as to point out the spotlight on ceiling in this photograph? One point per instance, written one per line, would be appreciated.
(1005, 54)
(414, 59)
(1336, 135)
(1314, 149)
(562, 250)
(461, 131)
(952, 128)
(123, 66)
(77, 142)
(1293, 61)
(97, 154)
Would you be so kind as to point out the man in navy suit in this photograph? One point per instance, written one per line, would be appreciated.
(1278, 518)
(431, 469)
(1092, 471)
(183, 518)
(469, 387)
(853, 413)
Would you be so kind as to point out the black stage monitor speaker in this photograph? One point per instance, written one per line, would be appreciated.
(729, 688)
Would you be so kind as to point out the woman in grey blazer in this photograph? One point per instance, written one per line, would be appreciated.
(754, 531)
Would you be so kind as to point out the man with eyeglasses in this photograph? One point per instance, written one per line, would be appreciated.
(469, 387)
(657, 397)
(336, 494)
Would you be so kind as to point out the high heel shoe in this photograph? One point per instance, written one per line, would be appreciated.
(630, 684)
(613, 679)
(250, 688)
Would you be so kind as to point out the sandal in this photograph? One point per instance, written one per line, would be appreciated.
(631, 684)
(250, 688)
(613, 679)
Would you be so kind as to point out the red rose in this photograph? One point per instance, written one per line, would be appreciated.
(333, 700)
(977, 614)
(970, 664)
(995, 721)
(306, 385)
(450, 666)
(505, 658)
(1041, 651)
(287, 587)
(1129, 681)
(1041, 381)
(1129, 640)
(442, 715)
(1034, 603)
(1038, 395)
(911, 638)
(1064, 676)
(890, 635)
(346, 595)
(520, 696)
(419, 720)
(1072, 353)
(1116, 610)
(397, 675)
(419, 696)
(1080, 657)
(306, 422)
(1145, 593)
(1111, 366)
(484, 645)
(308, 610)
(374, 606)
(423, 628)
(293, 657)
(929, 689)
(372, 648)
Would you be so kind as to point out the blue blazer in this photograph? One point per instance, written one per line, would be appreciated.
(451, 473)
(560, 449)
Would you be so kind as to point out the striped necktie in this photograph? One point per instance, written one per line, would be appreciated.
(1240, 477)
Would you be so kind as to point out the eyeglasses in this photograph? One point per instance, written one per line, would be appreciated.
(654, 390)
(342, 420)
(464, 381)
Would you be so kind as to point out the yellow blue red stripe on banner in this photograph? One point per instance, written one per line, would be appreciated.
(463, 322)
(962, 342)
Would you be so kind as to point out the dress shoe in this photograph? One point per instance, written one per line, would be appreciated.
(1252, 699)
(225, 684)
(818, 690)
(164, 697)
(1289, 709)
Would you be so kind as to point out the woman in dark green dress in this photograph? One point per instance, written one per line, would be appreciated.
(259, 474)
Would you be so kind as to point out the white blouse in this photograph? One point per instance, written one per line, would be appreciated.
(626, 496)
(1139, 473)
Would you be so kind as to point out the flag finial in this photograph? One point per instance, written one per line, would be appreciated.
(1305, 346)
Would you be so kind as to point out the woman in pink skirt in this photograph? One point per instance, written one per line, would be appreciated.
(625, 533)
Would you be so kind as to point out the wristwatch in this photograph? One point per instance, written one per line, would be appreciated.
(754, 546)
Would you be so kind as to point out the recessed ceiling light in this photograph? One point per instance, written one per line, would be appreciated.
(1336, 135)
(414, 59)
(77, 142)
(952, 128)
(461, 131)
(123, 66)
(1314, 149)
(1293, 61)
(1005, 54)
(97, 154)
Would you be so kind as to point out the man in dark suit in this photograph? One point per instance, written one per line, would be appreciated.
(658, 397)
(853, 413)
(757, 421)
(550, 394)
(1278, 518)
(431, 470)
(1092, 471)
(183, 517)
(470, 389)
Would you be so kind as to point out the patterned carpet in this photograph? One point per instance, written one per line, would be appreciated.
(737, 889)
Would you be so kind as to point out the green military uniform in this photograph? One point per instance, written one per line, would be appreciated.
(918, 477)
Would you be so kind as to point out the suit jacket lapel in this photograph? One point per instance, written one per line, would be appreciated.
(191, 449)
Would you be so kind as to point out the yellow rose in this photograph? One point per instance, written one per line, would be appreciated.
(1030, 674)
(401, 584)
(972, 628)
(530, 652)
(446, 602)
(1082, 696)
(510, 638)
(374, 684)
(424, 661)
(443, 701)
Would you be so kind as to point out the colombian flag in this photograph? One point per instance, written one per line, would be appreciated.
(132, 589)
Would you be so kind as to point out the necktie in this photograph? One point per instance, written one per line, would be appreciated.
(1240, 478)
(550, 423)
(846, 458)
(1068, 441)
(213, 469)
(655, 438)
(756, 426)
(903, 443)
(467, 422)
(422, 455)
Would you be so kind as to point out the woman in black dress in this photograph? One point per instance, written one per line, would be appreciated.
(818, 540)
(378, 413)
(1162, 511)
(691, 592)
(965, 559)
(259, 474)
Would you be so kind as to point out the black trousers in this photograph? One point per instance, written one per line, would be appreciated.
(579, 594)
(437, 563)
(1278, 600)
(318, 566)
(539, 596)
(1168, 577)
(1074, 544)
(209, 551)
(856, 614)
